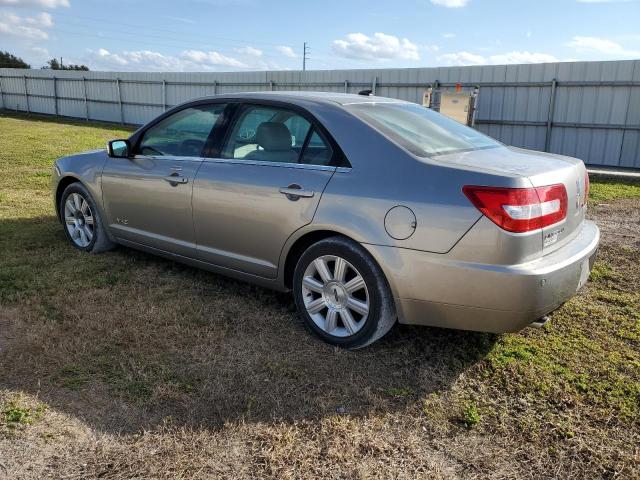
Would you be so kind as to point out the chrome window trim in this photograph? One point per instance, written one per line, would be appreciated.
(262, 163)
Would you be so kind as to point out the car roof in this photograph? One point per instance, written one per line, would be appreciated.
(317, 97)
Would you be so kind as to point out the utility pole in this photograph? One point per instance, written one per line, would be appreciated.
(60, 63)
(304, 56)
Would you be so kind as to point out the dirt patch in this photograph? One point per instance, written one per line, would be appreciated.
(619, 221)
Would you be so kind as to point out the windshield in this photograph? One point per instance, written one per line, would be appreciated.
(421, 130)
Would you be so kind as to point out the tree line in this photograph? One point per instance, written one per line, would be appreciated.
(8, 60)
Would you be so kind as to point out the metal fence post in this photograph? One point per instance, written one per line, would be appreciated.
(346, 86)
(86, 103)
(26, 92)
(55, 96)
(1, 93)
(552, 107)
(164, 95)
(215, 87)
(373, 85)
(271, 85)
(120, 100)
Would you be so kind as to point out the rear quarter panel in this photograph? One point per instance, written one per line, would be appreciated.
(384, 175)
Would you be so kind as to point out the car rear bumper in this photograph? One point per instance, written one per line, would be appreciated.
(433, 289)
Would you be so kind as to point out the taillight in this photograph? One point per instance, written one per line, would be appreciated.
(520, 209)
(586, 188)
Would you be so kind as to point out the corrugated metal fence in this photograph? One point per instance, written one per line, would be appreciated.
(590, 110)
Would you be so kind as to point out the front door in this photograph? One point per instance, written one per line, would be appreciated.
(148, 197)
(265, 185)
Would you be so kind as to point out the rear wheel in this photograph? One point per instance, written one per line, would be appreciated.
(82, 221)
(342, 295)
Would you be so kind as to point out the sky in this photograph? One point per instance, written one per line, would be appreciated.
(246, 35)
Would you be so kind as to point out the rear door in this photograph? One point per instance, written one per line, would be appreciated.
(148, 197)
(263, 184)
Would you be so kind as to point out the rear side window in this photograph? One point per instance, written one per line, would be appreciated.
(317, 151)
(421, 130)
(279, 135)
(184, 133)
(267, 134)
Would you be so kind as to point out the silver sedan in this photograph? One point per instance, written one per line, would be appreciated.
(372, 210)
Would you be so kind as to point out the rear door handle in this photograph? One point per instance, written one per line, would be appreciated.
(175, 178)
(295, 191)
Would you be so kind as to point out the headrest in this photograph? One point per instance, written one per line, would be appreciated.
(273, 136)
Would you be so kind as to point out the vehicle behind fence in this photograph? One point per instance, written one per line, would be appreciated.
(589, 110)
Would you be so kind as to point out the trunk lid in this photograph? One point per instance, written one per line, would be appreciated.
(540, 169)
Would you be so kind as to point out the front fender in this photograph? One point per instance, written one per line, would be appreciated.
(85, 168)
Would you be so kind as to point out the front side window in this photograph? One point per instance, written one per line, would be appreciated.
(267, 134)
(421, 130)
(184, 133)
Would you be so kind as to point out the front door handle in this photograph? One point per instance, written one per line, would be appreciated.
(295, 191)
(175, 178)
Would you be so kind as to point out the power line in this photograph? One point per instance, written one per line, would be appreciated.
(162, 30)
(153, 43)
(175, 42)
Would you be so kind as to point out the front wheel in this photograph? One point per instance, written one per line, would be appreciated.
(81, 219)
(342, 294)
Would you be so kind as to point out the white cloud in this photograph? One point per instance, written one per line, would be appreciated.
(212, 58)
(286, 51)
(250, 51)
(448, 35)
(462, 58)
(26, 27)
(35, 3)
(514, 57)
(147, 60)
(378, 47)
(450, 3)
(41, 53)
(42, 20)
(601, 45)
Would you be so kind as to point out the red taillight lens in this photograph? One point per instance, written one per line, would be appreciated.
(520, 209)
(586, 188)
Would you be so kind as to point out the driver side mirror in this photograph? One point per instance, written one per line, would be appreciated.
(118, 148)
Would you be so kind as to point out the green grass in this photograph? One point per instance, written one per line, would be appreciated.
(164, 370)
(28, 147)
(15, 414)
(470, 415)
(602, 191)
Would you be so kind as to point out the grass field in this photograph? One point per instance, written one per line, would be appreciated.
(125, 365)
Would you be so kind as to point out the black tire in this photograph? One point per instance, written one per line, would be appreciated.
(100, 241)
(381, 315)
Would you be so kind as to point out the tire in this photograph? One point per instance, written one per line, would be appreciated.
(81, 220)
(332, 300)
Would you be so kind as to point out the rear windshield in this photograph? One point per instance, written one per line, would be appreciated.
(421, 130)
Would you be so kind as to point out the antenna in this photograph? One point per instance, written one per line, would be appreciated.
(304, 56)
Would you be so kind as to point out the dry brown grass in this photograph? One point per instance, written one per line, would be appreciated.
(124, 365)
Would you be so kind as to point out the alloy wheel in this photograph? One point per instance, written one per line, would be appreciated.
(79, 220)
(335, 296)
